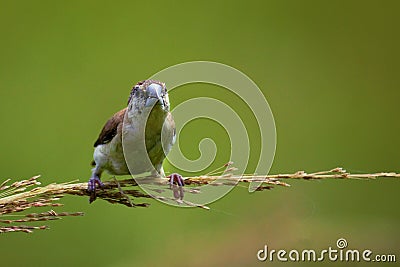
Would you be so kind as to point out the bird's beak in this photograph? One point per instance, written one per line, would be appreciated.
(154, 95)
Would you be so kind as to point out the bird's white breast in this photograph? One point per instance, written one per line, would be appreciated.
(126, 153)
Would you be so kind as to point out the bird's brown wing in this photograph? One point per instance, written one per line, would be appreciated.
(110, 129)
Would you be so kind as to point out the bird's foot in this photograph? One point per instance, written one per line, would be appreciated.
(176, 183)
(93, 181)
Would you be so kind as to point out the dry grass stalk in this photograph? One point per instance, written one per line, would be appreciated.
(23, 195)
(16, 198)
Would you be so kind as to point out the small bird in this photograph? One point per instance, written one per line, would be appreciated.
(147, 117)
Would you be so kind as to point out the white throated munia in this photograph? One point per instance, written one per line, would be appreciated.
(148, 110)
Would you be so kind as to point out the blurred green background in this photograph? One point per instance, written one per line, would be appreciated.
(330, 72)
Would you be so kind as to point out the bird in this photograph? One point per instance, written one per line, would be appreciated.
(137, 138)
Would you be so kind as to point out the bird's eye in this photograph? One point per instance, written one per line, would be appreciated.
(134, 92)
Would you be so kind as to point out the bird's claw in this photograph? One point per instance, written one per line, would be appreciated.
(93, 181)
(176, 183)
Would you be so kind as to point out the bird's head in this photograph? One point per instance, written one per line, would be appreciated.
(148, 94)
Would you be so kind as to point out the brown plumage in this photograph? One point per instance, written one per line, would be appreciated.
(111, 127)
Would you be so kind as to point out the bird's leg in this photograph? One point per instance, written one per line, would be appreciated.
(176, 183)
(93, 181)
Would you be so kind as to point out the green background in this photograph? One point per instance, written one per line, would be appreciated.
(329, 70)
